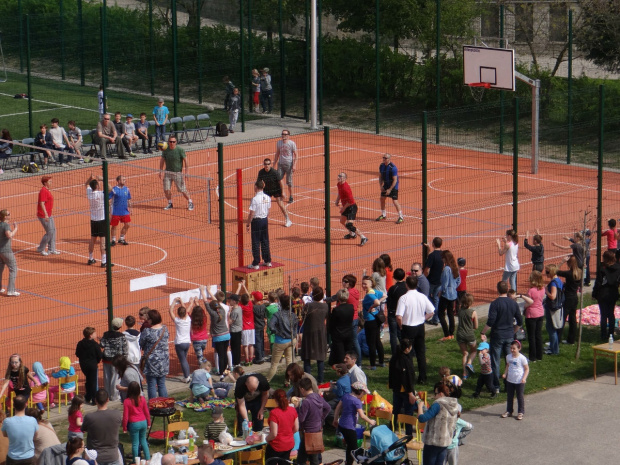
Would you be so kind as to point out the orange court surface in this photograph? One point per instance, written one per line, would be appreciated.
(469, 204)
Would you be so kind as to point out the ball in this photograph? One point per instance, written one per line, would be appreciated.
(163, 145)
(455, 380)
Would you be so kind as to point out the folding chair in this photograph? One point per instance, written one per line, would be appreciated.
(207, 130)
(172, 131)
(416, 444)
(189, 127)
(66, 392)
(36, 390)
(27, 153)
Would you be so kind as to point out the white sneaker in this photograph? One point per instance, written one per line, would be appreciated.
(13, 294)
(44, 253)
(2, 291)
(54, 252)
(268, 264)
(253, 267)
(288, 223)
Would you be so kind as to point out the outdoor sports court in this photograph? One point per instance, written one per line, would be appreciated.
(469, 202)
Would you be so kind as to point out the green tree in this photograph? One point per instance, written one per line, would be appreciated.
(599, 33)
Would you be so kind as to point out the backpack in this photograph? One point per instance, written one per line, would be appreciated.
(30, 168)
(221, 130)
(558, 303)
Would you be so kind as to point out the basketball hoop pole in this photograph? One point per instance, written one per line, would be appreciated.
(535, 85)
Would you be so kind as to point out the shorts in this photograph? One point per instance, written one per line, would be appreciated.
(248, 337)
(350, 212)
(285, 168)
(275, 194)
(178, 179)
(462, 340)
(392, 195)
(120, 219)
(97, 228)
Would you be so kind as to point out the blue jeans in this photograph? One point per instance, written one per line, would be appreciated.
(499, 349)
(554, 338)
(259, 344)
(182, 350)
(320, 364)
(511, 277)
(137, 431)
(434, 298)
(159, 133)
(156, 384)
(199, 347)
(356, 343)
(434, 455)
(401, 402)
(394, 333)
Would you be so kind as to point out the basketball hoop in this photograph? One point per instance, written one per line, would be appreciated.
(477, 90)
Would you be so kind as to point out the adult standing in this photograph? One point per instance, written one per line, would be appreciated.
(160, 116)
(283, 325)
(537, 249)
(450, 280)
(266, 91)
(394, 293)
(606, 292)
(554, 311)
(534, 313)
(154, 343)
(285, 160)
(182, 339)
(94, 193)
(348, 210)
(348, 282)
(102, 428)
(121, 203)
(45, 205)
(413, 309)
(314, 342)
(273, 187)
(251, 394)
(312, 414)
(259, 224)
(283, 424)
(503, 312)
(371, 306)
(388, 183)
(20, 429)
(424, 286)
(401, 380)
(106, 134)
(171, 164)
(340, 330)
(7, 258)
(572, 282)
(509, 247)
(45, 436)
(432, 270)
(113, 343)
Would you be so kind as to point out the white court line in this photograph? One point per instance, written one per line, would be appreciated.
(35, 111)
(54, 103)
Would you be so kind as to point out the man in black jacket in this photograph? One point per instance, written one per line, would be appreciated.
(398, 289)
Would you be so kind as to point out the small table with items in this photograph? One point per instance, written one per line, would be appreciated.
(604, 351)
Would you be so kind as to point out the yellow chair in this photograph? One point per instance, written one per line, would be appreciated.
(380, 415)
(3, 403)
(61, 391)
(174, 427)
(229, 462)
(38, 389)
(366, 402)
(251, 457)
(423, 395)
(416, 444)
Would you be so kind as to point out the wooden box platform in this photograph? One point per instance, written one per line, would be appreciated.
(265, 279)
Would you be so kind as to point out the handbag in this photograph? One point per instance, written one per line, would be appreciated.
(314, 443)
(145, 357)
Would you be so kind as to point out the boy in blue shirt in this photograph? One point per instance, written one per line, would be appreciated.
(160, 115)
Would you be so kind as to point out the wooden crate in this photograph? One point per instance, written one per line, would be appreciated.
(265, 279)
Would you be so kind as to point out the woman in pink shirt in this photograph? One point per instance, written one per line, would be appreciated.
(136, 419)
(198, 332)
(534, 313)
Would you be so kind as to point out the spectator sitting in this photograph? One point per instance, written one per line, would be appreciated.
(142, 131)
(129, 135)
(340, 387)
(75, 138)
(44, 140)
(107, 134)
(61, 142)
(213, 429)
(44, 437)
(6, 148)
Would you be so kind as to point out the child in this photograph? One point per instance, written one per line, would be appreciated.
(297, 305)
(208, 455)
(612, 235)
(234, 106)
(235, 322)
(213, 429)
(255, 89)
(461, 289)
(220, 299)
(340, 387)
(486, 372)
(346, 415)
(272, 308)
(65, 370)
(305, 292)
(462, 429)
(229, 90)
(76, 418)
(517, 370)
(266, 91)
(130, 136)
(88, 353)
(259, 327)
(136, 420)
(201, 383)
(465, 333)
(312, 413)
(41, 379)
(247, 333)
(447, 377)
(538, 251)
(142, 131)
(75, 138)
(586, 246)
(133, 341)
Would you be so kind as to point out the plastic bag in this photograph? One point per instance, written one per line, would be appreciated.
(225, 437)
(191, 433)
(380, 403)
(156, 458)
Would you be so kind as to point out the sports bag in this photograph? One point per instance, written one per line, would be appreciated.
(221, 130)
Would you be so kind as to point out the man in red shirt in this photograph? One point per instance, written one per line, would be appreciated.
(45, 205)
(348, 210)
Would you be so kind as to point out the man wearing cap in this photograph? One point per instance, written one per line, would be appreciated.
(160, 115)
(412, 311)
(285, 160)
(121, 203)
(102, 428)
(106, 134)
(257, 220)
(251, 394)
(113, 343)
(45, 204)
(388, 183)
(130, 137)
(259, 327)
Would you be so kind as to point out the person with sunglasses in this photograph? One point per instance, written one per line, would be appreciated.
(273, 187)
(106, 134)
(171, 164)
(424, 286)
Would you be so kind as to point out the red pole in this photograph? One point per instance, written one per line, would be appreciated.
(239, 218)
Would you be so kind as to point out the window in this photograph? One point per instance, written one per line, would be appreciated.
(558, 22)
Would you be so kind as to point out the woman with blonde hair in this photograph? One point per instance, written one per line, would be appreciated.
(371, 306)
(534, 313)
(509, 246)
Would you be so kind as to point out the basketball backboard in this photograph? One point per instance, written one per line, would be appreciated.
(494, 66)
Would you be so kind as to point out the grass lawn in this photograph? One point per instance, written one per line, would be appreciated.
(551, 372)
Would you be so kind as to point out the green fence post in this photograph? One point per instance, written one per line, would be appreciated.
(81, 49)
(108, 248)
(515, 167)
(21, 37)
(29, 77)
(328, 230)
(199, 49)
(320, 41)
(599, 187)
(569, 109)
(307, 62)
(438, 69)
(222, 206)
(175, 65)
(250, 56)
(424, 186)
(282, 70)
(377, 69)
(241, 65)
(152, 47)
(104, 43)
(502, 94)
(61, 26)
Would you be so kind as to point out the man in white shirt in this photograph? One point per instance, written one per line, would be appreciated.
(355, 372)
(94, 193)
(286, 159)
(61, 141)
(257, 219)
(412, 311)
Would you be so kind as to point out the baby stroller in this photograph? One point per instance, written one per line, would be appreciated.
(385, 448)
